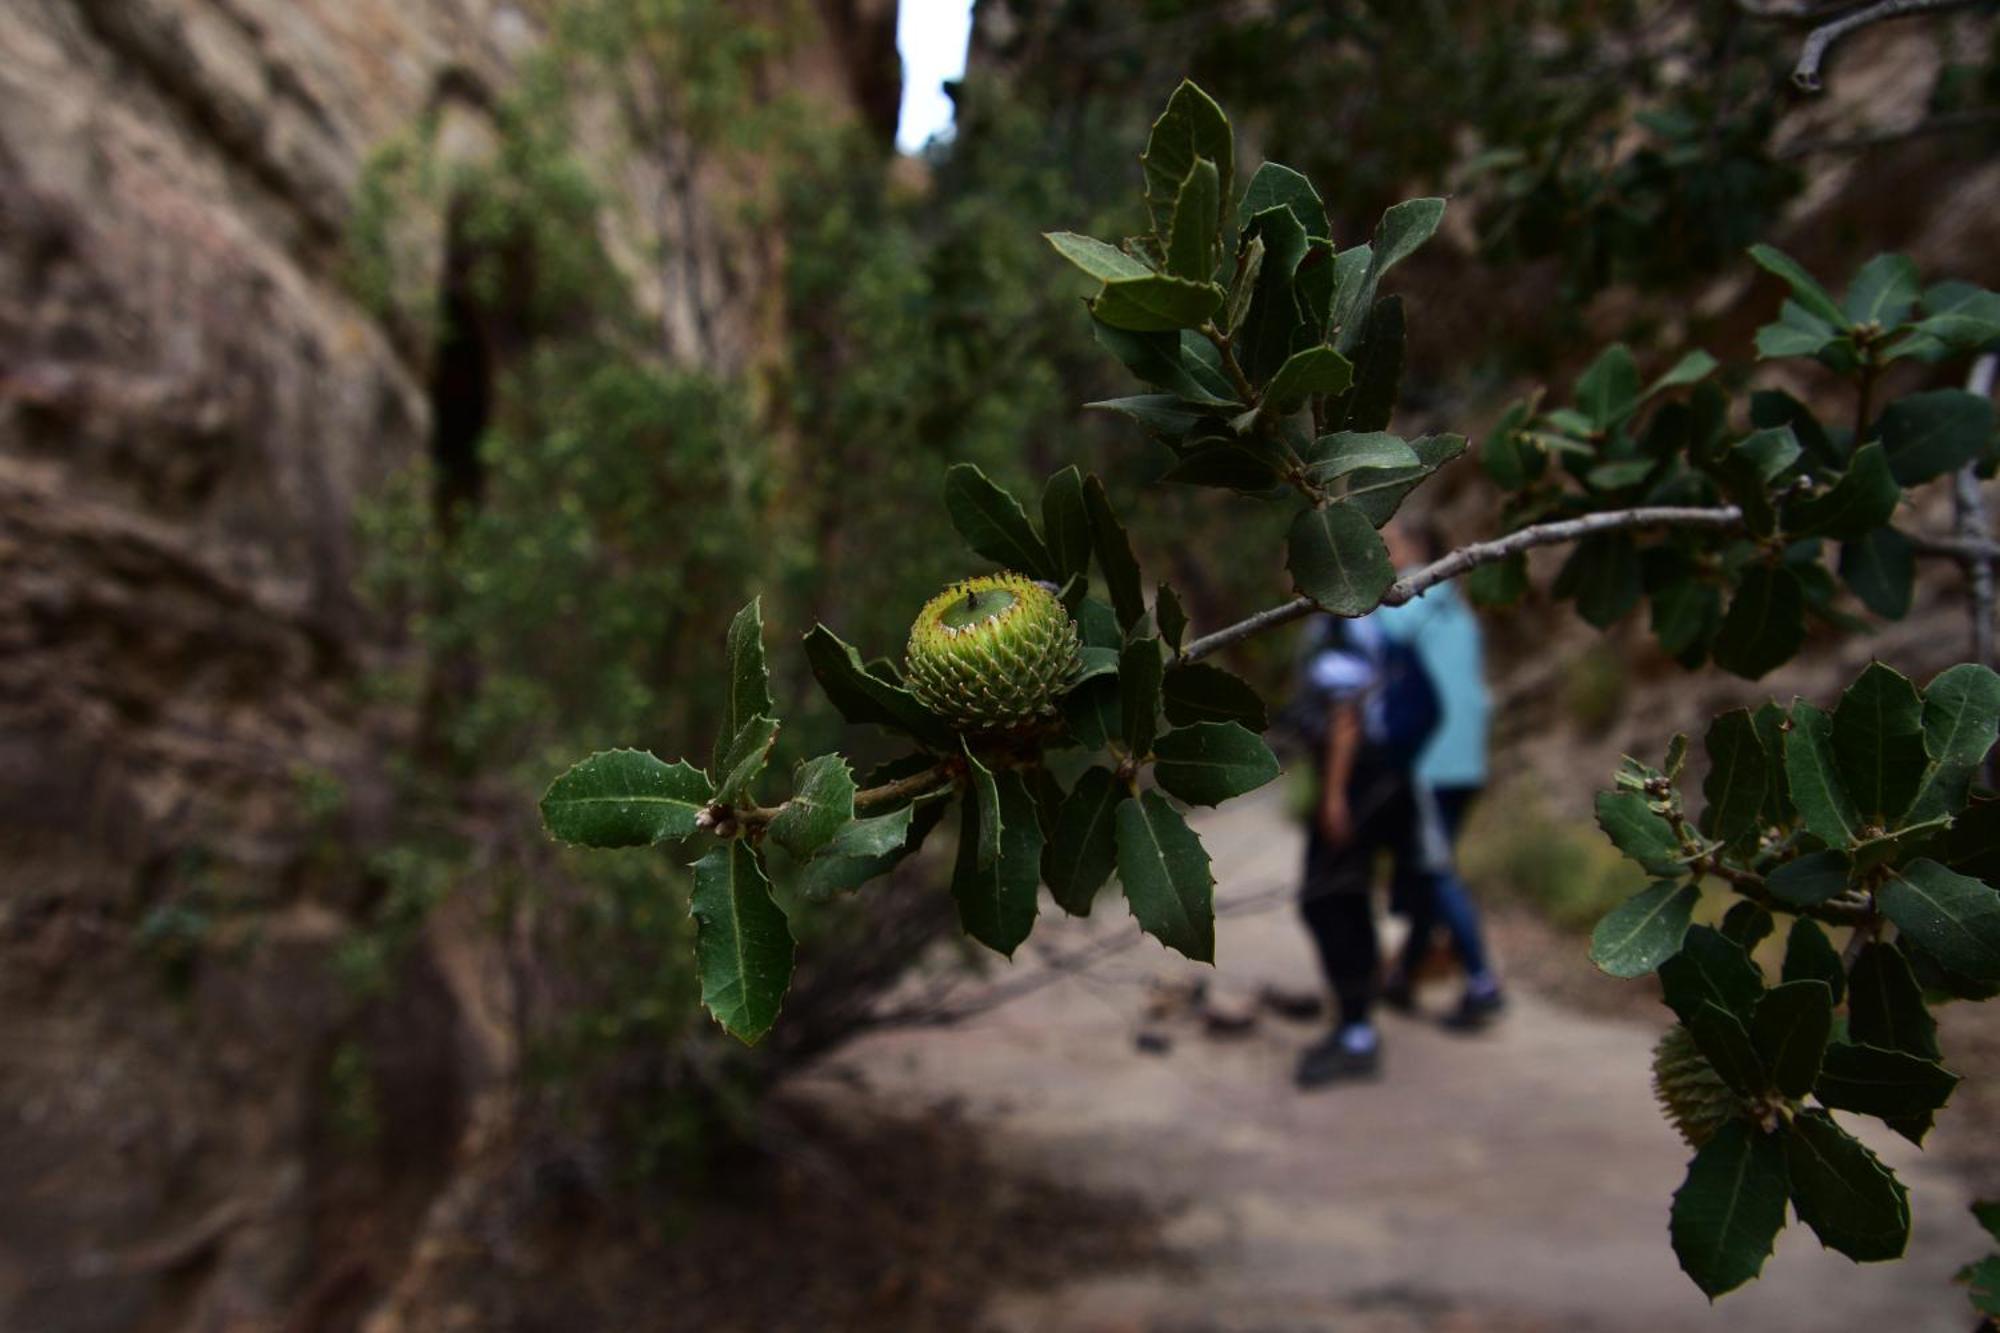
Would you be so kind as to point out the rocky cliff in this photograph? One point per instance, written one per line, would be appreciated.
(191, 406)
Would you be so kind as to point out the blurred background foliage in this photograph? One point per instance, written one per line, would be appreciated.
(563, 570)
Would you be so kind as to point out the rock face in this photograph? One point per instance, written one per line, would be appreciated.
(191, 405)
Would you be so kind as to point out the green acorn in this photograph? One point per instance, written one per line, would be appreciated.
(991, 653)
(1689, 1090)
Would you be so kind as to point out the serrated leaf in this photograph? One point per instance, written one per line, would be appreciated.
(1191, 127)
(1789, 1030)
(1102, 261)
(1337, 559)
(1810, 956)
(1403, 229)
(1191, 238)
(1883, 292)
(1140, 670)
(993, 523)
(996, 896)
(822, 804)
(864, 698)
(1161, 360)
(1083, 849)
(1114, 555)
(1334, 456)
(1725, 1043)
(745, 759)
(1314, 370)
(868, 848)
(1729, 1210)
(1892, 1085)
(1710, 968)
(1276, 186)
(1880, 568)
(1961, 718)
(1066, 524)
(984, 819)
(1856, 505)
(1929, 434)
(625, 798)
(1274, 326)
(1166, 876)
(1878, 744)
(1952, 917)
(1852, 1202)
(743, 944)
(1812, 773)
(1155, 303)
(1198, 692)
(1885, 1005)
(1645, 930)
(1739, 772)
(1211, 762)
(1377, 492)
(749, 692)
(1627, 818)
(1811, 296)
(1166, 417)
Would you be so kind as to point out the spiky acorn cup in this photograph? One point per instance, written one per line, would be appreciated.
(1693, 1095)
(991, 653)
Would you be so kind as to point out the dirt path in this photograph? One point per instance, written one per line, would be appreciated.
(1516, 1181)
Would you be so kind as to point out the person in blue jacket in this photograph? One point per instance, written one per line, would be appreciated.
(1452, 768)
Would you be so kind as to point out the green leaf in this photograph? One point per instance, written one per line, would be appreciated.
(1726, 1045)
(1066, 524)
(1748, 924)
(1334, 456)
(1812, 772)
(1401, 233)
(1852, 1202)
(1930, 434)
(743, 944)
(744, 762)
(1191, 240)
(1856, 505)
(1810, 294)
(1961, 718)
(625, 798)
(864, 698)
(1884, 292)
(1604, 577)
(1987, 1214)
(1106, 263)
(1645, 930)
(1710, 968)
(1771, 409)
(868, 848)
(1197, 692)
(1729, 1210)
(1893, 1085)
(1170, 616)
(1274, 326)
(1192, 127)
(1796, 332)
(1166, 417)
(1810, 956)
(1885, 1005)
(1377, 492)
(1093, 714)
(996, 898)
(1690, 369)
(1277, 186)
(1953, 918)
(1983, 1278)
(1378, 371)
(1337, 559)
(984, 819)
(1790, 1030)
(1114, 555)
(1608, 391)
(1210, 762)
(1231, 465)
(1771, 725)
(1686, 613)
(1242, 287)
(1958, 317)
(1161, 359)
(1502, 583)
(822, 804)
(749, 693)
(1739, 772)
(1083, 849)
(993, 523)
(1878, 744)
(1156, 302)
(1314, 370)
(1166, 876)
(1628, 820)
(1813, 878)
(1140, 669)
(1880, 568)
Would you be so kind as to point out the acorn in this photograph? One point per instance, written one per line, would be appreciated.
(991, 653)
(1689, 1090)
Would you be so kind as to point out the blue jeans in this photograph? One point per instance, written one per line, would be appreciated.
(1440, 898)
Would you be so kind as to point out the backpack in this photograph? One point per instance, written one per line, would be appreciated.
(1410, 711)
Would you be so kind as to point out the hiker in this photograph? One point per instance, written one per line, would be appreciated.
(1365, 708)
(1450, 772)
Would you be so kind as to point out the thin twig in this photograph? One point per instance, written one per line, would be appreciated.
(1952, 123)
(1806, 72)
(1477, 554)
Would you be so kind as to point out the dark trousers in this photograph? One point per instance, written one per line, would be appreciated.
(1336, 898)
(1440, 898)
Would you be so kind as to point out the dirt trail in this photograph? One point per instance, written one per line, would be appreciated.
(1515, 1181)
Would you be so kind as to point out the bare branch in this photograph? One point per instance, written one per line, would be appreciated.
(1806, 72)
(1479, 553)
(1973, 527)
(1951, 123)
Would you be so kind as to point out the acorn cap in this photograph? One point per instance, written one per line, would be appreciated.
(991, 653)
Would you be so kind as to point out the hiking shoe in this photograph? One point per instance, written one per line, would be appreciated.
(1476, 1011)
(1329, 1061)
